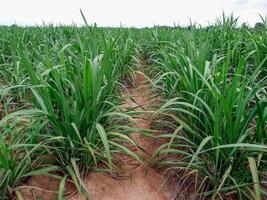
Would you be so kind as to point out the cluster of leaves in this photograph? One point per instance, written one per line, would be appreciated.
(216, 100)
(62, 82)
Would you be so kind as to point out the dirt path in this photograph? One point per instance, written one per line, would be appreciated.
(141, 183)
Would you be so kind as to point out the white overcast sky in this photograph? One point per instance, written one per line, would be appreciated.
(137, 13)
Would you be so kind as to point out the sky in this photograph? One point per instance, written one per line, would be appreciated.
(138, 13)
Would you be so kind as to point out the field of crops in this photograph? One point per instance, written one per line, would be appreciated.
(62, 114)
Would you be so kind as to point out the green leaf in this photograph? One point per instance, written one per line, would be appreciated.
(105, 142)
